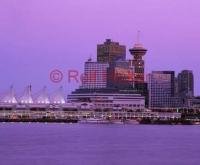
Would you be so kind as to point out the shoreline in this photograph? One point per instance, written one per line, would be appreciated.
(69, 121)
(97, 117)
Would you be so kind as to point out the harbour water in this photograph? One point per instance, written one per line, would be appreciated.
(98, 144)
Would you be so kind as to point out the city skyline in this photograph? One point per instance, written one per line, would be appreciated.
(36, 40)
(89, 82)
(77, 78)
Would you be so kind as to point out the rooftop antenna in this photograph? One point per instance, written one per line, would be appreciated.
(138, 36)
(90, 58)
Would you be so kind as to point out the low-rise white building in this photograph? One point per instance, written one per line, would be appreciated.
(109, 100)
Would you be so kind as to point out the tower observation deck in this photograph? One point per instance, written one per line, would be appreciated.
(138, 51)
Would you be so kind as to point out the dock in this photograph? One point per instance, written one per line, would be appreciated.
(76, 116)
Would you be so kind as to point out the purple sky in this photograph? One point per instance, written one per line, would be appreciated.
(37, 36)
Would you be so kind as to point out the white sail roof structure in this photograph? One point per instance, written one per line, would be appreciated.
(9, 97)
(58, 97)
(27, 96)
(43, 97)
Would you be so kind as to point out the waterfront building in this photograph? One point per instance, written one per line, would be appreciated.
(194, 102)
(185, 81)
(121, 75)
(186, 84)
(176, 93)
(95, 75)
(161, 89)
(110, 51)
(142, 88)
(112, 101)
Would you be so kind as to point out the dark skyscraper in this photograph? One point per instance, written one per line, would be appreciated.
(138, 51)
(110, 52)
(186, 84)
(162, 89)
(172, 78)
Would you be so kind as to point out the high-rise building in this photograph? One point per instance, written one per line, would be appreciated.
(95, 75)
(121, 75)
(161, 89)
(176, 87)
(138, 51)
(186, 84)
(110, 52)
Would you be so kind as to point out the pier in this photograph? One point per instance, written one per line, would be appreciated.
(75, 116)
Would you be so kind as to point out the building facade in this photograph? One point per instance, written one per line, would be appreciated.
(194, 102)
(110, 51)
(138, 51)
(112, 101)
(121, 75)
(162, 90)
(186, 84)
(95, 75)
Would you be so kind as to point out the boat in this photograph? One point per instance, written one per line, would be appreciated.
(196, 123)
(116, 121)
(94, 121)
(131, 121)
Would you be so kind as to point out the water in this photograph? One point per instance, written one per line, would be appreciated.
(76, 144)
